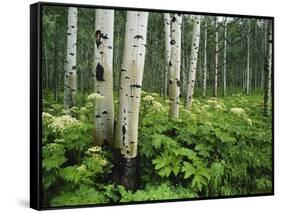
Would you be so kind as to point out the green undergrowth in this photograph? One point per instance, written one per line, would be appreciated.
(222, 148)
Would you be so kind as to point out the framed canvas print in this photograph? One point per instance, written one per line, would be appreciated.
(134, 105)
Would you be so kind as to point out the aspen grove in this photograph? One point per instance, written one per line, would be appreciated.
(144, 105)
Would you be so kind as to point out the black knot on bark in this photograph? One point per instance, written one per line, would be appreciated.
(172, 42)
(124, 129)
(138, 36)
(136, 85)
(99, 72)
(98, 38)
(104, 36)
(178, 83)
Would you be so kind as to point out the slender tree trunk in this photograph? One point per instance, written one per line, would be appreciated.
(174, 71)
(55, 72)
(167, 29)
(264, 55)
(224, 60)
(70, 78)
(248, 60)
(205, 60)
(193, 61)
(103, 77)
(268, 70)
(216, 58)
(130, 95)
(82, 66)
(186, 59)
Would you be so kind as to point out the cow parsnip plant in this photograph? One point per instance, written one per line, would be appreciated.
(223, 147)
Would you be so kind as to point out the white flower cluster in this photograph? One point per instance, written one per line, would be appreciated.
(83, 109)
(46, 115)
(206, 107)
(237, 95)
(103, 162)
(157, 106)
(237, 111)
(52, 146)
(196, 102)
(218, 107)
(95, 96)
(214, 104)
(94, 149)
(47, 118)
(249, 121)
(154, 94)
(212, 101)
(64, 122)
(148, 98)
(81, 168)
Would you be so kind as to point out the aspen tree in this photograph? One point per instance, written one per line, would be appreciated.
(126, 132)
(248, 60)
(216, 57)
(167, 29)
(205, 59)
(102, 73)
(193, 61)
(70, 77)
(224, 58)
(268, 69)
(55, 77)
(174, 71)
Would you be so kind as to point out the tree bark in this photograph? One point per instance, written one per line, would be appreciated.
(55, 72)
(193, 61)
(216, 58)
(224, 59)
(70, 77)
(205, 60)
(174, 71)
(167, 29)
(126, 137)
(103, 77)
(248, 60)
(268, 69)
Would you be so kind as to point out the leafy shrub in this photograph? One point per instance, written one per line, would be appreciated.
(223, 147)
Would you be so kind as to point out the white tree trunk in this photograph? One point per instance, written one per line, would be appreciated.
(174, 71)
(224, 60)
(70, 77)
(102, 73)
(205, 61)
(268, 69)
(167, 29)
(216, 58)
(265, 42)
(248, 60)
(130, 83)
(193, 61)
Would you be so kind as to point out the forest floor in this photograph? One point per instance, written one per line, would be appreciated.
(222, 148)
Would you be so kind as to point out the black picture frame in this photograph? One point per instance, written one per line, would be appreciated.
(36, 102)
